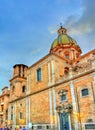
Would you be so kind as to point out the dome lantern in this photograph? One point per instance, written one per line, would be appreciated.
(62, 30)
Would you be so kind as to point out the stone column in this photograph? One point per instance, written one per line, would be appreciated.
(58, 122)
(70, 127)
(49, 75)
(51, 107)
(54, 106)
(53, 72)
(74, 105)
(9, 112)
(27, 111)
(28, 83)
(14, 113)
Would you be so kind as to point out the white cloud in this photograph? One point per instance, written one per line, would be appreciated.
(53, 29)
(86, 22)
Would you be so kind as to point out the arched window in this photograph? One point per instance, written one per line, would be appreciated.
(23, 89)
(84, 92)
(66, 70)
(66, 55)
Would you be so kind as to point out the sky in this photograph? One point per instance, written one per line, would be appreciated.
(28, 28)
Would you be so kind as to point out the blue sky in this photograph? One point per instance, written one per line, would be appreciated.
(28, 28)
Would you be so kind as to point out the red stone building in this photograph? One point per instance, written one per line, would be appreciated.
(58, 91)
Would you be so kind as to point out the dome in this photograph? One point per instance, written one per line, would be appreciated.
(64, 39)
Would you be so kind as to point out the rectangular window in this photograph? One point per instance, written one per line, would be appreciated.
(39, 127)
(20, 115)
(63, 97)
(85, 92)
(89, 126)
(11, 116)
(47, 127)
(23, 89)
(39, 77)
(32, 127)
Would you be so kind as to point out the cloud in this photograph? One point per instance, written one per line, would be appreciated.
(36, 50)
(84, 24)
(53, 29)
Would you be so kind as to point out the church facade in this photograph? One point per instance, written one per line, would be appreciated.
(57, 92)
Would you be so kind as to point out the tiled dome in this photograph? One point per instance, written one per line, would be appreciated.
(65, 46)
(63, 38)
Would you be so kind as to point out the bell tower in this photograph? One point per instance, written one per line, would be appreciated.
(18, 84)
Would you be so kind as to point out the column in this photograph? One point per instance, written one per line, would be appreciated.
(28, 84)
(9, 112)
(53, 72)
(54, 106)
(70, 127)
(14, 113)
(27, 111)
(74, 104)
(49, 75)
(58, 121)
(51, 107)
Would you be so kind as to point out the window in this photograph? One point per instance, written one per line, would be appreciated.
(11, 107)
(89, 126)
(67, 56)
(85, 92)
(20, 115)
(20, 105)
(47, 127)
(23, 89)
(66, 70)
(39, 127)
(63, 97)
(32, 127)
(39, 74)
(11, 116)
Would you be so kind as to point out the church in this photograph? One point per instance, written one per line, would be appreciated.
(57, 92)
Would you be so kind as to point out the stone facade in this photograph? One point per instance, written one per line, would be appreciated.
(4, 98)
(58, 88)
